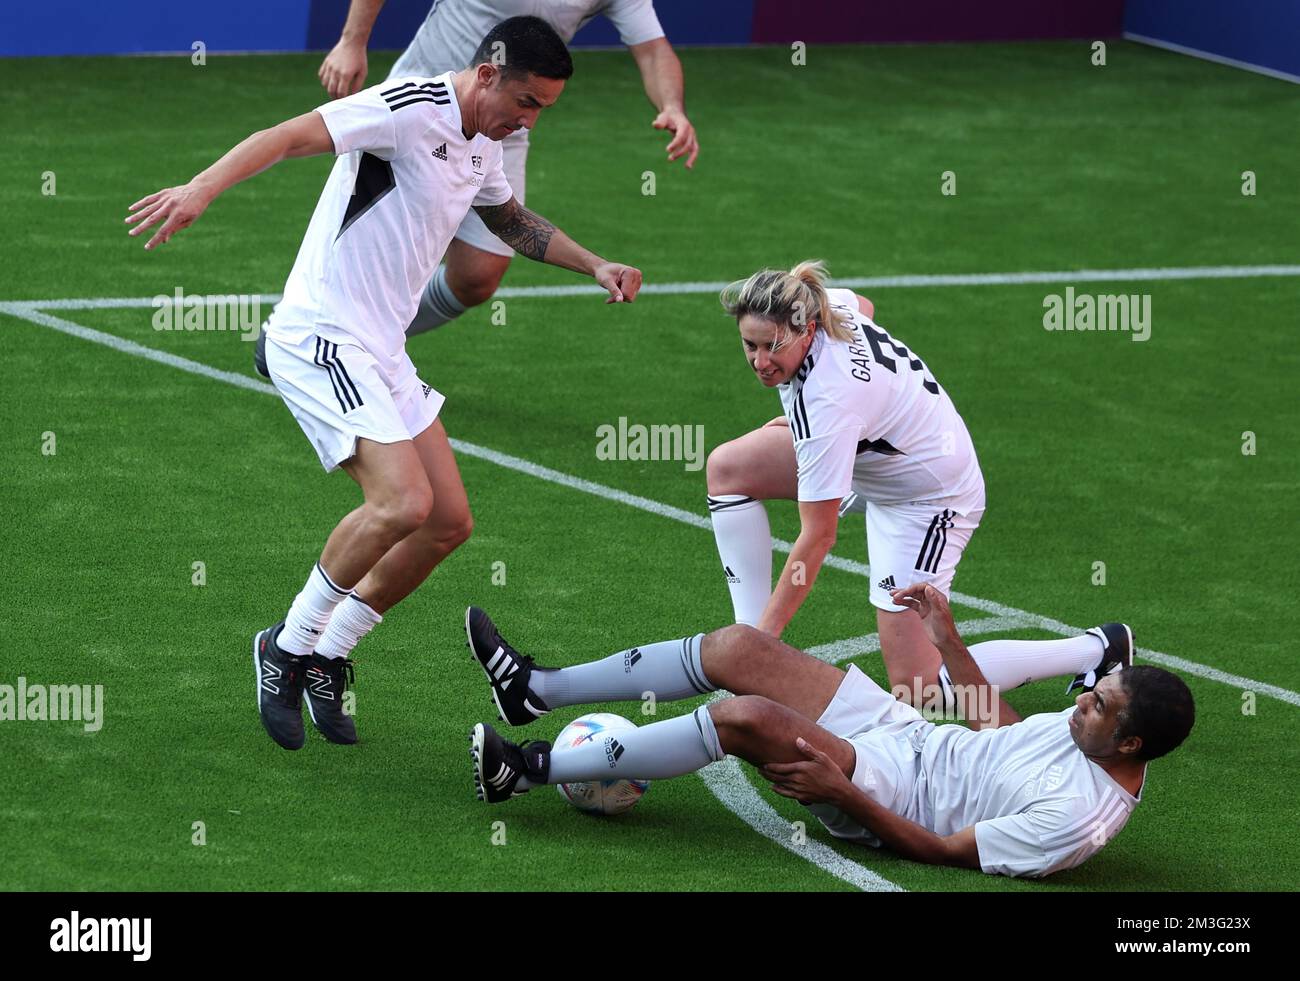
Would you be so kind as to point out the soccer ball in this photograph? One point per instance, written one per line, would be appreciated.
(599, 796)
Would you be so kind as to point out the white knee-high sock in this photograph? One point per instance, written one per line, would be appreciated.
(310, 613)
(654, 752)
(745, 546)
(351, 621)
(1012, 663)
(671, 669)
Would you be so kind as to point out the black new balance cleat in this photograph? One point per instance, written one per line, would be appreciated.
(327, 679)
(499, 763)
(1117, 641)
(259, 354)
(279, 688)
(507, 670)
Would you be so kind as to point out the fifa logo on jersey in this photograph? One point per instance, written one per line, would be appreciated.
(1086, 311)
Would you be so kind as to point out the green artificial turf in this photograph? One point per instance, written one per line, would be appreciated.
(1094, 448)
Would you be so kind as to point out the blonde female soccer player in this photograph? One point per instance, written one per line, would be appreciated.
(863, 416)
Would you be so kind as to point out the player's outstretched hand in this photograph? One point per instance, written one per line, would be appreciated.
(683, 143)
(343, 71)
(623, 282)
(175, 207)
(932, 606)
(814, 780)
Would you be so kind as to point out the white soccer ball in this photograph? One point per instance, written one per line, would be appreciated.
(599, 796)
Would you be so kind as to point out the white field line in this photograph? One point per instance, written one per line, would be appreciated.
(1154, 274)
(725, 780)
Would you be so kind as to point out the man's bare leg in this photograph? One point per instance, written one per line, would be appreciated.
(398, 500)
(408, 563)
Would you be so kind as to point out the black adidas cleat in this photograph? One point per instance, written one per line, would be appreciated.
(259, 354)
(326, 681)
(279, 688)
(1117, 641)
(499, 763)
(507, 670)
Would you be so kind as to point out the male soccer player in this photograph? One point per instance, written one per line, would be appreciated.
(477, 258)
(414, 156)
(1016, 797)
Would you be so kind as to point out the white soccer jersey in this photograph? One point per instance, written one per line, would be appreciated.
(452, 32)
(1037, 802)
(404, 179)
(874, 396)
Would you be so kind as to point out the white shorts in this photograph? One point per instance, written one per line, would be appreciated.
(911, 543)
(338, 395)
(886, 736)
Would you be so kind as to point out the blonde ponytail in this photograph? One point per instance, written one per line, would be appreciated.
(792, 300)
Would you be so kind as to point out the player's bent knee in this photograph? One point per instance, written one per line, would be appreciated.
(406, 512)
(744, 715)
(723, 473)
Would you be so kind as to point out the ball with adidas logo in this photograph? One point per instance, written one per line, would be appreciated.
(599, 796)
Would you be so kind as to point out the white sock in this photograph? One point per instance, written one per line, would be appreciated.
(1012, 663)
(745, 547)
(654, 752)
(310, 613)
(351, 621)
(438, 304)
(671, 669)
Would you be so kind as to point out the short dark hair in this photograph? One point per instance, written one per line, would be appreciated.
(529, 46)
(1160, 710)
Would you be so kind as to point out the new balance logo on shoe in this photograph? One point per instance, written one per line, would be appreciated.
(887, 583)
(630, 659)
(731, 576)
(441, 152)
(613, 750)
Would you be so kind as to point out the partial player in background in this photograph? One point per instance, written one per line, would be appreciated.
(414, 156)
(1008, 796)
(863, 417)
(477, 259)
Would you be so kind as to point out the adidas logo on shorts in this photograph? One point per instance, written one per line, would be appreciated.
(887, 583)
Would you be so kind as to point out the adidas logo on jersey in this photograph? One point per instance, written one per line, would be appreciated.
(426, 388)
(887, 583)
(441, 152)
(731, 576)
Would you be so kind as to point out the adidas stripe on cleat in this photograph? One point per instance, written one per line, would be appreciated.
(1117, 654)
(499, 763)
(507, 670)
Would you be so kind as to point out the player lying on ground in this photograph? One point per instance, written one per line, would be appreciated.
(864, 418)
(414, 157)
(1011, 796)
(447, 39)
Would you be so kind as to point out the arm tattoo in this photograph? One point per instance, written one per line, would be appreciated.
(527, 232)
